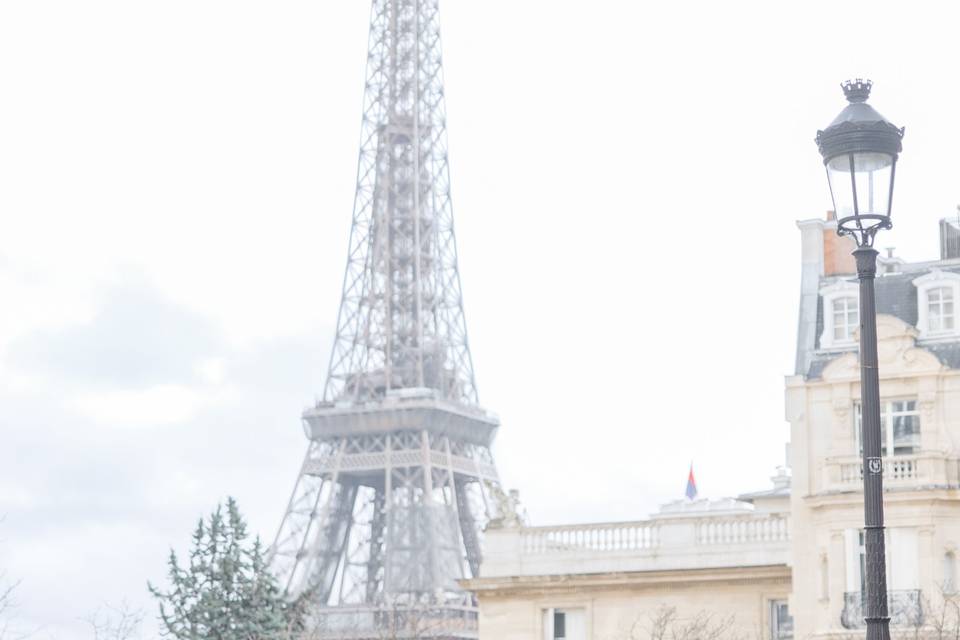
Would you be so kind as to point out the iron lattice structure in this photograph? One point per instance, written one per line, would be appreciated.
(398, 480)
(401, 321)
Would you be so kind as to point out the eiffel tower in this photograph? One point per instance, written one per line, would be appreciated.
(398, 481)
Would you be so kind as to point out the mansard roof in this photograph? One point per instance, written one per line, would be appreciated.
(896, 295)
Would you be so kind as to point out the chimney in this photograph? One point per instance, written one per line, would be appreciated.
(950, 238)
(837, 250)
(822, 253)
(889, 263)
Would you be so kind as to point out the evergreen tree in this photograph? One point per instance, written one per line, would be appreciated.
(225, 592)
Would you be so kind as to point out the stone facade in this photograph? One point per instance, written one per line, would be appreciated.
(747, 564)
(726, 560)
(920, 396)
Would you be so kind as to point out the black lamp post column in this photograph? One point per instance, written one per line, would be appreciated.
(860, 150)
(876, 615)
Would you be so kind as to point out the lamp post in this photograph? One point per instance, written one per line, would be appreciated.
(860, 149)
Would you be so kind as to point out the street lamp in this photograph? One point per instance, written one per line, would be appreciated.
(859, 150)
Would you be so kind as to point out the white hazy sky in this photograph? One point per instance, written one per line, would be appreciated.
(176, 183)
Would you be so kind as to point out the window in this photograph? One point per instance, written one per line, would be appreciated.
(857, 560)
(564, 624)
(846, 318)
(902, 560)
(559, 624)
(940, 309)
(937, 293)
(841, 315)
(949, 569)
(781, 622)
(899, 428)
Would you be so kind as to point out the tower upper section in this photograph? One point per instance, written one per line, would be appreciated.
(401, 322)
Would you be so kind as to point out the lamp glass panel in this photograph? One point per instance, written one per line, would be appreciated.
(838, 173)
(872, 173)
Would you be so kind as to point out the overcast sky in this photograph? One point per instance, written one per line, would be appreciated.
(176, 185)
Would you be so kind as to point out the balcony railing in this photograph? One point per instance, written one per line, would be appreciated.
(905, 608)
(400, 622)
(917, 470)
(615, 536)
(636, 536)
(682, 538)
(743, 530)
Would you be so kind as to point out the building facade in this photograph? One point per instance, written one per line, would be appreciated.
(919, 356)
(695, 569)
(787, 562)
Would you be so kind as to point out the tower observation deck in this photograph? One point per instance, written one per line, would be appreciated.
(398, 481)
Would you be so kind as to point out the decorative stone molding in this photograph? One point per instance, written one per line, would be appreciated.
(897, 352)
(841, 406)
(845, 367)
(732, 535)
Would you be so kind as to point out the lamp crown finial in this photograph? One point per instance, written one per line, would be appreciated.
(857, 90)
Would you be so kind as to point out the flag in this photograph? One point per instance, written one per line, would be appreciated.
(691, 485)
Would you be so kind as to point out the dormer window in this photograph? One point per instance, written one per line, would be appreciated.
(940, 309)
(846, 318)
(937, 293)
(841, 315)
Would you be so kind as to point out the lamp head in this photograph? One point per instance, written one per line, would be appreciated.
(860, 150)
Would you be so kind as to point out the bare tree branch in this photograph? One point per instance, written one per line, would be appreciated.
(7, 605)
(115, 623)
(665, 623)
